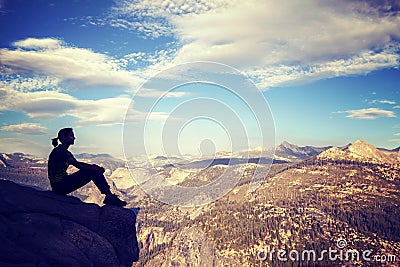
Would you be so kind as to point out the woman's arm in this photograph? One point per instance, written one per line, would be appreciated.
(85, 166)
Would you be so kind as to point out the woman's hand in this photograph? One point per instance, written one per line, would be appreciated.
(85, 166)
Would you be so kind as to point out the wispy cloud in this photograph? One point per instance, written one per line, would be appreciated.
(25, 128)
(34, 83)
(2, 7)
(369, 113)
(362, 63)
(383, 102)
(153, 18)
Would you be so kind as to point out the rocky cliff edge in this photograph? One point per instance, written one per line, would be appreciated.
(40, 228)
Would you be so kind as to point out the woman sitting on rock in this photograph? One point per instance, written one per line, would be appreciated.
(62, 183)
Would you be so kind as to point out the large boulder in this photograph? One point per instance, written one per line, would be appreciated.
(40, 228)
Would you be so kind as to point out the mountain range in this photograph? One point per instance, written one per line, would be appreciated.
(91, 156)
(311, 198)
(284, 152)
(348, 194)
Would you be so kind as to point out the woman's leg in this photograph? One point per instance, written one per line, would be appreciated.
(80, 178)
(101, 183)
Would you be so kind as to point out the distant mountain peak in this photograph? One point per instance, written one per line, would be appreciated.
(362, 143)
(286, 143)
(360, 151)
(365, 149)
(359, 141)
(291, 152)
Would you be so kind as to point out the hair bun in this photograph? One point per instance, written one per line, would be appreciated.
(54, 141)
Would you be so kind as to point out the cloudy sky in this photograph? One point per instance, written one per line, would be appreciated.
(329, 70)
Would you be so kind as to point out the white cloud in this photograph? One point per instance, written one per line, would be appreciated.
(276, 42)
(106, 111)
(49, 65)
(275, 38)
(59, 67)
(159, 94)
(25, 128)
(54, 104)
(82, 67)
(258, 32)
(369, 113)
(34, 43)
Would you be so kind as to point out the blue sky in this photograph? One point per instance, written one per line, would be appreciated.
(329, 70)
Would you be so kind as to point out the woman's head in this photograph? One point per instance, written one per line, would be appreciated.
(65, 136)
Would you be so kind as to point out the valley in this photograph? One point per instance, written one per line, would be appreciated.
(307, 202)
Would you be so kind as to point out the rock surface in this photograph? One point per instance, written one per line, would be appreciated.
(40, 228)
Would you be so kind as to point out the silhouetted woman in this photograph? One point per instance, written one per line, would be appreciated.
(62, 183)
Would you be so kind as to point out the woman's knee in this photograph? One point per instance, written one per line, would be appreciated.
(90, 173)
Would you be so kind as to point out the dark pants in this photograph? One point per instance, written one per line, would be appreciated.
(70, 183)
